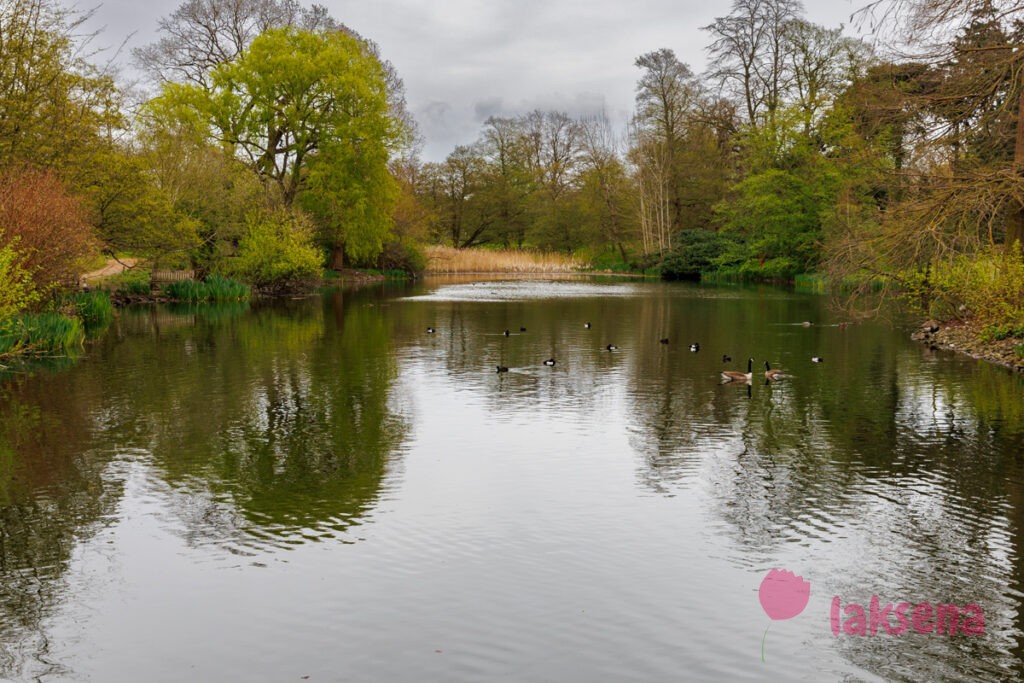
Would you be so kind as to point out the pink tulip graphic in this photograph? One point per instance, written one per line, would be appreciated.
(783, 595)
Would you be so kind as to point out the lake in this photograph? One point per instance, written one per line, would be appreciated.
(322, 488)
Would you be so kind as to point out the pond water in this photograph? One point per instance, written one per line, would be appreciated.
(322, 488)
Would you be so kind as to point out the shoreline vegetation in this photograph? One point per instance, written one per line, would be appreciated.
(833, 166)
(448, 261)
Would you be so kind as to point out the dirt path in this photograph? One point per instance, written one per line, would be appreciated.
(113, 267)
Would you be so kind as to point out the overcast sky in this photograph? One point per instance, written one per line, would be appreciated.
(465, 60)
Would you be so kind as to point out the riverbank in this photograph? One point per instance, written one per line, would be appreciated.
(966, 338)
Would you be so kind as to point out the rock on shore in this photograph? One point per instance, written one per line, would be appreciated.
(965, 338)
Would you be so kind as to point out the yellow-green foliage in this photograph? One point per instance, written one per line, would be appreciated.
(990, 285)
(277, 252)
(448, 260)
(16, 290)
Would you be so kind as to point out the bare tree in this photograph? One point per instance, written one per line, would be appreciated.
(748, 53)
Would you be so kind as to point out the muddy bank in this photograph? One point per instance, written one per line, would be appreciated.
(965, 338)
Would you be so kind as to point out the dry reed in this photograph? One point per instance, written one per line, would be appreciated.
(445, 260)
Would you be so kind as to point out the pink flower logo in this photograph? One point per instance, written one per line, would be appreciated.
(783, 595)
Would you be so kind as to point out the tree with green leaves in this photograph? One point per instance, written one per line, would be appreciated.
(308, 113)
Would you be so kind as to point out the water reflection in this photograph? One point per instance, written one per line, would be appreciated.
(257, 430)
(570, 522)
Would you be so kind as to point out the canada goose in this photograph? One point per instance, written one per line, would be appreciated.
(695, 347)
(522, 329)
(726, 358)
(430, 330)
(734, 376)
(817, 359)
(506, 333)
(502, 368)
(549, 362)
(611, 347)
(664, 341)
(586, 325)
(772, 374)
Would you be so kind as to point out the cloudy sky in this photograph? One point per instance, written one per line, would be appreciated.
(465, 60)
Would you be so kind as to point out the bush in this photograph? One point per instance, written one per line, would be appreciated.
(47, 333)
(989, 287)
(276, 253)
(51, 228)
(696, 252)
(17, 292)
(403, 255)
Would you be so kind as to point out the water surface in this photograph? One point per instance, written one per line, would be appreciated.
(321, 488)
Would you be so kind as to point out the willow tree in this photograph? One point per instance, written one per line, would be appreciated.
(307, 112)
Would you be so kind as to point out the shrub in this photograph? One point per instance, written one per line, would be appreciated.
(403, 255)
(989, 285)
(17, 291)
(696, 252)
(43, 334)
(51, 227)
(276, 253)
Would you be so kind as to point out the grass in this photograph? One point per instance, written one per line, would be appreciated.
(40, 335)
(446, 260)
(811, 283)
(214, 288)
(94, 308)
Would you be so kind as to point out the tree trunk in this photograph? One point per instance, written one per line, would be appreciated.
(338, 256)
(1015, 221)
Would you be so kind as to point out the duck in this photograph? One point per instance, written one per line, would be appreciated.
(734, 376)
(522, 329)
(586, 325)
(726, 358)
(806, 323)
(611, 347)
(664, 341)
(817, 359)
(549, 362)
(430, 330)
(695, 347)
(502, 368)
(772, 374)
(506, 333)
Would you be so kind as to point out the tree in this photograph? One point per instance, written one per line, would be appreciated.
(201, 35)
(46, 226)
(54, 106)
(308, 113)
(748, 53)
(981, 91)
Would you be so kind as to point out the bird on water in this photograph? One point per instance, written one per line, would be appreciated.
(772, 374)
(734, 376)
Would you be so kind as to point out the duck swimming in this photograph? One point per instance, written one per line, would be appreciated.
(695, 347)
(734, 376)
(664, 341)
(502, 368)
(549, 362)
(611, 347)
(430, 330)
